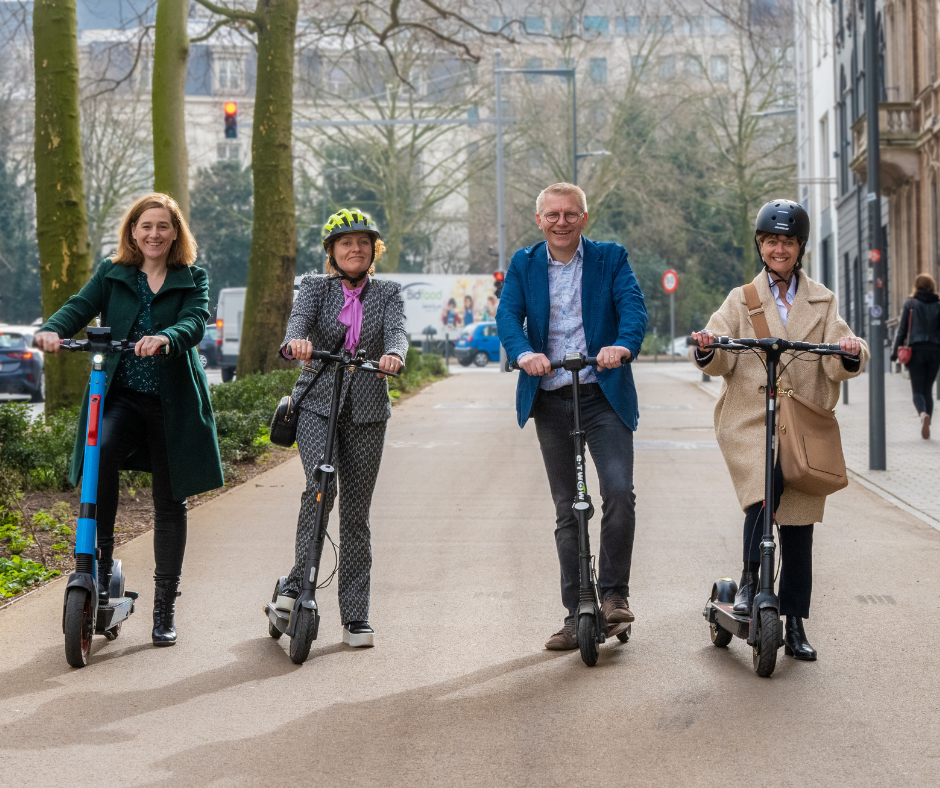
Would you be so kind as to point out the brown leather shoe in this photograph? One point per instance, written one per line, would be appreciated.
(564, 639)
(616, 609)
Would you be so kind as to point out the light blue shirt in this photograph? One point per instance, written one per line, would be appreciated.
(565, 326)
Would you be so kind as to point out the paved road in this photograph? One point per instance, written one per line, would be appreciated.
(458, 690)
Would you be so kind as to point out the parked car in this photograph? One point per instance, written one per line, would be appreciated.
(208, 350)
(477, 344)
(21, 365)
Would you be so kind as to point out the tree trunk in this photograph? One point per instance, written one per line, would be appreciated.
(171, 51)
(61, 221)
(274, 231)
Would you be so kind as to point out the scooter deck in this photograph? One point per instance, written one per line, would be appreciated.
(723, 613)
(113, 613)
(278, 618)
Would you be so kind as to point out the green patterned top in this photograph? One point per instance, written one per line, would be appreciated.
(134, 372)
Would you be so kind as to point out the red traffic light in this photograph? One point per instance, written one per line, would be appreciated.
(499, 276)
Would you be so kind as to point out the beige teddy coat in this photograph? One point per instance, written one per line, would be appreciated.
(739, 414)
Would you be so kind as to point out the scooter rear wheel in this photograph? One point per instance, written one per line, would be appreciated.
(624, 636)
(274, 632)
(721, 637)
(587, 639)
(765, 652)
(78, 626)
(303, 635)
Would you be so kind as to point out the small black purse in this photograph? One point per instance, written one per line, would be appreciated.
(284, 422)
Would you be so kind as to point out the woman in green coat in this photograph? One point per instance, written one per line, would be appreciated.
(157, 415)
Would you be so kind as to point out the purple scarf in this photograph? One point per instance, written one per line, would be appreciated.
(351, 315)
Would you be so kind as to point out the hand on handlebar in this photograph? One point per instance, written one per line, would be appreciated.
(48, 342)
(704, 338)
(535, 364)
(300, 349)
(389, 363)
(612, 356)
(150, 346)
(850, 345)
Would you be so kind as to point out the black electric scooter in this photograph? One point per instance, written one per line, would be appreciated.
(592, 624)
(303, 621)
(82, 616)
(761, 629)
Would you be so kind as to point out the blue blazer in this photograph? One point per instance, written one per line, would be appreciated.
(612, 310)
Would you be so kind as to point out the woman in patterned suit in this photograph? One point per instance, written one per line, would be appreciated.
(345, 308)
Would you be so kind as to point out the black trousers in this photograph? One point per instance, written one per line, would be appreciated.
(796, 552)
(924, 366)
(610, 442)
(133, 420)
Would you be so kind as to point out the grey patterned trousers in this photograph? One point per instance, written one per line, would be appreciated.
(357, 454)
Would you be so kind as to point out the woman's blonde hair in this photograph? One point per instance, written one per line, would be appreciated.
(924, 282)
(329, 268)
(182, 250)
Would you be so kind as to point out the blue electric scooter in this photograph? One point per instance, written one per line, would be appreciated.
(82, 616)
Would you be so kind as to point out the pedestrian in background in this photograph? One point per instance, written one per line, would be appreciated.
(157, 416)
(467, 310)
(571, 295)
(919, 330)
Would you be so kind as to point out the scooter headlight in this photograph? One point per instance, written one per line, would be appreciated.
(97, 358)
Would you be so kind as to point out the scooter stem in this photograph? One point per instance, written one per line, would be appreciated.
(767, 547)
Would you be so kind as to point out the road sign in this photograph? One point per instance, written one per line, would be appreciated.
(875, 256)
(670, 281)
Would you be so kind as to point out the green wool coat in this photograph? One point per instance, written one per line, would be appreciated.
(180, 310)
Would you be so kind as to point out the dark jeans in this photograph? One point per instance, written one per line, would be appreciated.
(131, 421)
(796, 553)
(924, 366)
(610, 442)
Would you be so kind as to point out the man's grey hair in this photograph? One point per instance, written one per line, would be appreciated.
(562, 189)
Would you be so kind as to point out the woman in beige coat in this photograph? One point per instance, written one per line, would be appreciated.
(797, 309)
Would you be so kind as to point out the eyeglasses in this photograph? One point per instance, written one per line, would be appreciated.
(570, 217)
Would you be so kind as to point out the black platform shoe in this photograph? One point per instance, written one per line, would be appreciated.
(358, 634)
(104, 580)
(164, 609)
(795, 643)
(747, 590)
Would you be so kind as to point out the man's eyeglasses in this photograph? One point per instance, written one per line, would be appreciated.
(570, 217)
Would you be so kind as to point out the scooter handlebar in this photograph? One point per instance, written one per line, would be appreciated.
(360, 364)
(727, 343)
(586, 361)
(116, 346)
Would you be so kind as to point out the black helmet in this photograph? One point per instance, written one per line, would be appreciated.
(783, 217)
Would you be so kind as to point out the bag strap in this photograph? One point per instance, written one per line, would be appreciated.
(756, 312)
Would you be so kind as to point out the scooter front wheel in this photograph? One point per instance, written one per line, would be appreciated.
(78, 626)
(303, 635)
(765, 652)
(587, 639)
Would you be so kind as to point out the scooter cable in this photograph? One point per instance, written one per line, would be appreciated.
(329, 580)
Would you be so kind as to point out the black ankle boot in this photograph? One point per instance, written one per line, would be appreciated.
(105, 565)
(796, 644)
(164, 609)
(747, 590)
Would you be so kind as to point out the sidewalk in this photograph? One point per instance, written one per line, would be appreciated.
(912, 480)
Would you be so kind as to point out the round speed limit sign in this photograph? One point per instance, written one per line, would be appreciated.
(670, 281)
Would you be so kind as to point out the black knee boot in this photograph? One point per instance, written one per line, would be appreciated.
(164, 609)
(105, 563)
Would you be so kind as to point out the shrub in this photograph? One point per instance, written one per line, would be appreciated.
(38, 449)
(17, 574)
(419, 368)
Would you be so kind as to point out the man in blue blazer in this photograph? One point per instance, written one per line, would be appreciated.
(570, 295)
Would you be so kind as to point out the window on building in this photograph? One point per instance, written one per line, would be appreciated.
(533, 62)
(844, 146)
(497, 23)
(667, 67)
(627, 26)
(534, 25)
(229, 71)
(659, 24)
(596, 25)
(718, 68)
(692, 66)
(598, 69)
(228, 151)
(692, 25)
(562, 26)
(718, 25)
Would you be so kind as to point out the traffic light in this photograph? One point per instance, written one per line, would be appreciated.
(499, 278)
(231, 120)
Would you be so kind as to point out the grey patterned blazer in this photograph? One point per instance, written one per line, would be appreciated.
(383, 332)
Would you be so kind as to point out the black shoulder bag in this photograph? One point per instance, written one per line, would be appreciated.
(284, 422)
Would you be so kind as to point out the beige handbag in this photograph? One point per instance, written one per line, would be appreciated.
(809, 439)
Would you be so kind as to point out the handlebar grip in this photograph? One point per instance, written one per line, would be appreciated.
(691, 341)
